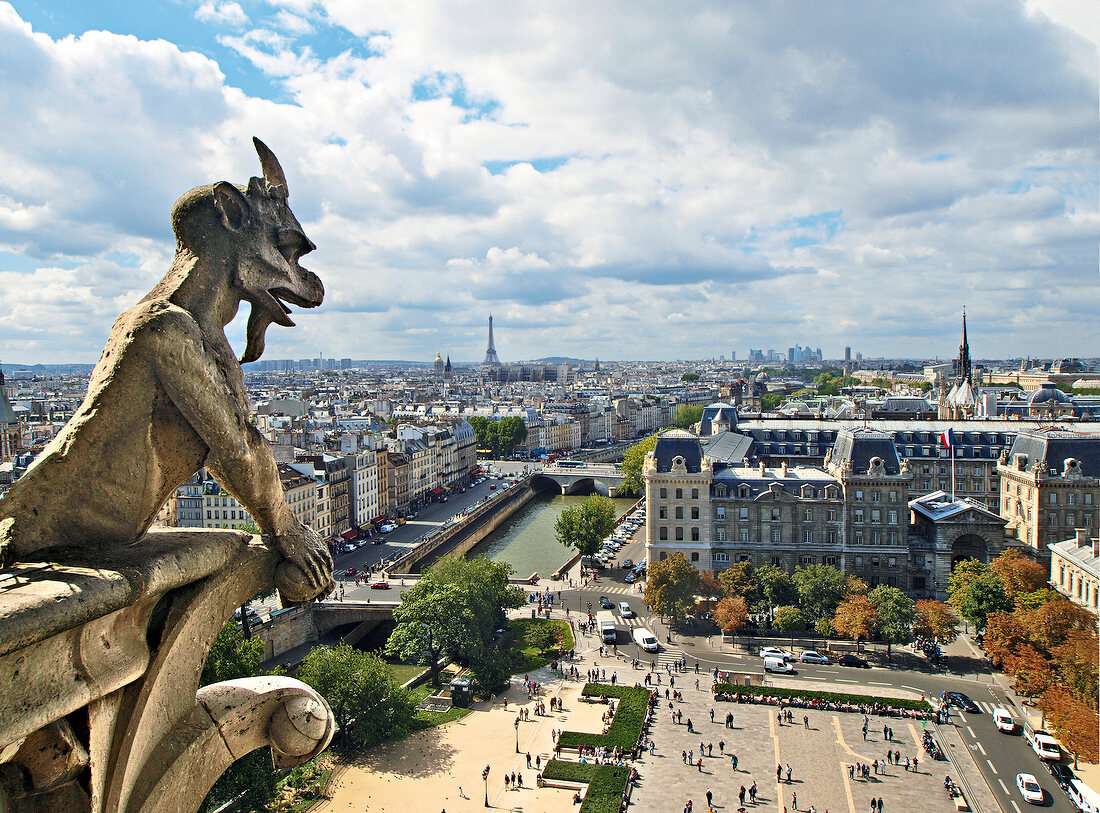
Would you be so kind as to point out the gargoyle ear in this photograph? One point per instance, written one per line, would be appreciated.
(232, 205)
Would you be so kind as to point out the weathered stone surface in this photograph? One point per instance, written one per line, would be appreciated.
(167, 396)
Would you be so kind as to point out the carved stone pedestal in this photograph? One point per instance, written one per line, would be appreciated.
(100, 706)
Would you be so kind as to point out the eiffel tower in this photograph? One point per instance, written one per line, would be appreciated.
(491, 359)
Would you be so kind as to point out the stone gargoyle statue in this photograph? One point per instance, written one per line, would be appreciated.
(167, 396)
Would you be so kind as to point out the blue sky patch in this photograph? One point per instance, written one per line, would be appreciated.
(547, 164)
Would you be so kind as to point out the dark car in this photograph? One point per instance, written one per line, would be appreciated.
(962, 701)
(606, 603)
(853, 660)
(1062, 773)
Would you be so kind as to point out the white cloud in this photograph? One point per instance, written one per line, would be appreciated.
(738, 175)
(230, 14)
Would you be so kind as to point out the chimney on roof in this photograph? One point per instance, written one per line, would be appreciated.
(783, 468)
(761, 468)
(1082, 536)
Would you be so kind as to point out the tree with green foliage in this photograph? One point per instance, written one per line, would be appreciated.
(631, 467)
(770, 400)
(976, 591)
(821, 588)
(687, 415)
(789, 619)
(773, 588)
(455, 608)
(671, 586)
(502, 437)
(366, 701)
(584, 526)
(737, 580)
(690, 377)
(896, 613)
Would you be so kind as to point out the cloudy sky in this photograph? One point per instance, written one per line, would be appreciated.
(627, 180)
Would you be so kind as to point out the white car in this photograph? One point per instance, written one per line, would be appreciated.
(1003, 720)
(645, 639)
(774, 652)
(811, 656)
(625, 611)
(1043, 744)
(1030, 788)
(387, 528)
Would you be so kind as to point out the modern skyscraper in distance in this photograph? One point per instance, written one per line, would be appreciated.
(491, 359)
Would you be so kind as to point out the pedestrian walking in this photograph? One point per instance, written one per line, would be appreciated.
(710, 797)
(752, 792)
(806, 720)
(788, 773)
(741, 795)
(778, 773)
(528, 759)
(721, 746)
(700, 764)
(684, 757)
(733, 761)
(712, 715)
(794, 801)
(879, 804)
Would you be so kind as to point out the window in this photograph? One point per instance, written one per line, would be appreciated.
(679, 493)
(876, 515)
(1053, 498)
(918, 560)
(806, 560)
(893, 537)
(874, 563)
(777, 561)
(662, 533)
(720, 534)
(719, 491)
(695, 556)
(679, 512)
(830, 536)
(664, 555)
(743, 534)
(744, 513)
(893, 496)
(1071, 499)
(808, 515)
(1071, 518)
(679, 534)
(720, 557)
(876, 496)
(893, 561)
(831, 515)
(777, 536)
(664, 493)
(1088, 498)
(1052, 519)
(859, 515)
(859, 561)
(695, 493)
(808, 536)
(775, 515)
(918, 582)
(662, 512)
(876, 537)
(892, 517)
(694, 534)
(720, 511)
(857, 537)
(695, 512)
(828, 560)
(1086, 520)
(859, 494)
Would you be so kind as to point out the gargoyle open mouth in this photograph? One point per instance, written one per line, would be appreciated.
(284, 295)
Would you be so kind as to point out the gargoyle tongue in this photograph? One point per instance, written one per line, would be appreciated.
(258, 320)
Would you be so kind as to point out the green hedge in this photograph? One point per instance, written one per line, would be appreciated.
(626, 726)
(606, 783)
(832, 697)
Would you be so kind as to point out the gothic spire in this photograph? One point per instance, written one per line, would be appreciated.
(964, 370)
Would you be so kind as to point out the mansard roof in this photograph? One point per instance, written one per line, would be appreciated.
(1053, 447)
(859, 446)
(678, 443)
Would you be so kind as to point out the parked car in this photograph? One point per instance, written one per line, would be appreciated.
(606, 603)
(628, 563)
(379, 585)
(625, 610)
(1004, 721)
(853, 660)
(1062, 774)
(388, 528)
(1030, 788)
(630, 578)
(962, 701)
(812, 656)
(775, 652)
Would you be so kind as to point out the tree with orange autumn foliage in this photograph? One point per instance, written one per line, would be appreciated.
(1019, 573)
(731, 613)
(855, 618)
(1031, 672)
(936, 620)
(1074, 723)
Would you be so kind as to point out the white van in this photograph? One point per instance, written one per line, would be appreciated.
(1086, 799)
(645, 639)
(775, 664)
(1042, 743)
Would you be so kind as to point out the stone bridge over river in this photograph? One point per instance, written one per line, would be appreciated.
(603, 478)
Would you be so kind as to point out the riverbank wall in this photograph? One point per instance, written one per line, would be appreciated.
(467, 532)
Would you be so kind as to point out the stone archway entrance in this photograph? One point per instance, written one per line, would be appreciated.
(969, 546)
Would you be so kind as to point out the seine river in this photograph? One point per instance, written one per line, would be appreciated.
(527, 541)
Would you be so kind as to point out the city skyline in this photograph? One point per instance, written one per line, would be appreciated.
(657, 185)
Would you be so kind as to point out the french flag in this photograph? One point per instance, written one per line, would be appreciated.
(947, 438)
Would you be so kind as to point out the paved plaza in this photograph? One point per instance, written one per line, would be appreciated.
(426, 771)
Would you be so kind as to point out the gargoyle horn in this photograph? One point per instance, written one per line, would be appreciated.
(273, 172)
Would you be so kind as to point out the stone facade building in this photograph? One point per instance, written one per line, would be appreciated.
(1050, 486)
(1075, 568)
(856, 512)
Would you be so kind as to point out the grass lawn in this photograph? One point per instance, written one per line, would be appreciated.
(522, 635)
(404, 672)
(427, 719)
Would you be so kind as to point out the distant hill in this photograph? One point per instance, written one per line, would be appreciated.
(17, 370)
(560, 360)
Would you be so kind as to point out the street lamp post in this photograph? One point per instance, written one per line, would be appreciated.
(485, 777)
(517, 735)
